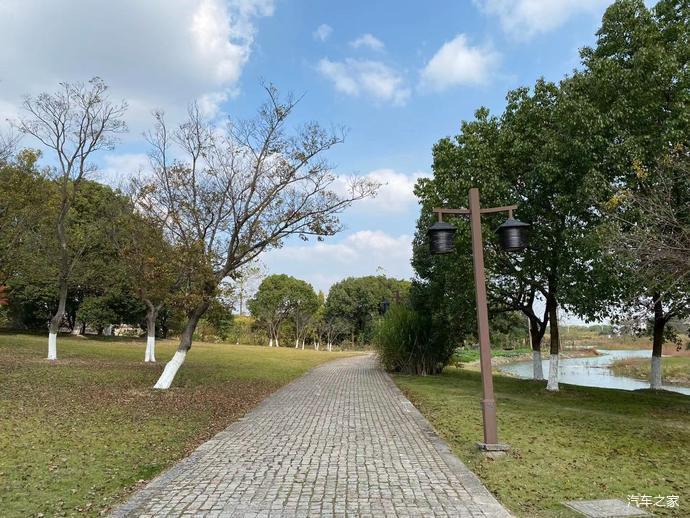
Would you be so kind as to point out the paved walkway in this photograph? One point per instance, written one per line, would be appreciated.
(340, 441)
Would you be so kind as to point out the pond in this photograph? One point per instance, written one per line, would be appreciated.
(593, 371)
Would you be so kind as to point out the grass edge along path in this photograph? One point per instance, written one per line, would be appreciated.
(579, 443)
(78, 435)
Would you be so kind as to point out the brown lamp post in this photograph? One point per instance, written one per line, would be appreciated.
(512, 236)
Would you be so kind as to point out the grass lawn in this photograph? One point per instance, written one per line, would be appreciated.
(579, 443)
(76, 435)
(673, 370)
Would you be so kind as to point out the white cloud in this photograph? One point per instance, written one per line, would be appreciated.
(368, 40)
(361, 253)
(371, 78)
(457, 63)
(322, 32)
(396, 194)
(154, 54)
(523, 19)
(118, 169)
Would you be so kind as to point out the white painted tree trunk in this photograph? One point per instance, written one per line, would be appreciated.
(552, 385)
(655, 374)
(330, 347)
(52, 346)
(303, 344)
(150, 355)
(270, 342)
(296, 343)
(537, 369)
(277, 342)
(170, 370)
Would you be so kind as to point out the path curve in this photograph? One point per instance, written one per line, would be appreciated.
(341, 440)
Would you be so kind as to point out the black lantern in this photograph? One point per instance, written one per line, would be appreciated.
(441, 238)
(512, 235)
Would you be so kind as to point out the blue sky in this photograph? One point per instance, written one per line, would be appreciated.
(398, 75)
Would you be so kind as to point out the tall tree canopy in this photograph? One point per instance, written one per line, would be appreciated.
(356, 301)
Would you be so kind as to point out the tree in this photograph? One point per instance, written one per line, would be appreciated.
(73, 123)
(151, 267)
(651, 233)
(22, 189)
(240, 191)
(303, 304)
(637, 75)
(246, 284)
(540, 155)
(97, 312)
(356, 301)
(278, 299)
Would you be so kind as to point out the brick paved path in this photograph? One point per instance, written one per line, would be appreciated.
(340, 441)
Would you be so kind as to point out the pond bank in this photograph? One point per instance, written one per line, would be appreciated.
(675, 370)
(592, 371)
(502, 358)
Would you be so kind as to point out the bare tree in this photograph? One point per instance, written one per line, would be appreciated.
(241, 190)
(73, 123)
(249, 278)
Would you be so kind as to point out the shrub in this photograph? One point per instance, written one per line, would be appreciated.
(406, 342)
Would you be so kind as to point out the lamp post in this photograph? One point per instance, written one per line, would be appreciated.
(512, 237)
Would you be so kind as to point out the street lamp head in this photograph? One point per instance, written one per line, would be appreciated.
(441, 238)
(512, 235)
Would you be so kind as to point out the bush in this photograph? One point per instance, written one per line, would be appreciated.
(406, 342)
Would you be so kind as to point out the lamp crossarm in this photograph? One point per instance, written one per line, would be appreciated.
(440, 211)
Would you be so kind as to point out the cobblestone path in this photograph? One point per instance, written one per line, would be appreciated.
(340, 441)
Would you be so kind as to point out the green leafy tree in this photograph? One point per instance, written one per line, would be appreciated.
(357, 301)
(97, 312)
(638, 77)
(151, 267)
(22, 188)
(539, 155)
(271, 306)
(304, 304)
(651, 234)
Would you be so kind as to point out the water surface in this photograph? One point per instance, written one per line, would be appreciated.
(593, 371)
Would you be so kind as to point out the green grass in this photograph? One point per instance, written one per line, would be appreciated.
(78, 434)
(673, 370)
(579, 443)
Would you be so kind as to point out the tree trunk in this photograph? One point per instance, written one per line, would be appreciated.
(552, 384)
(270, 342)
(536, 335)
(55, 322)
(655, 382)
(174, 365)
(151, 315)
(296, 343)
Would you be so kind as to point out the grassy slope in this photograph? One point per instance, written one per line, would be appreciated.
(674, 370)
(580, 443)
(77, 434)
